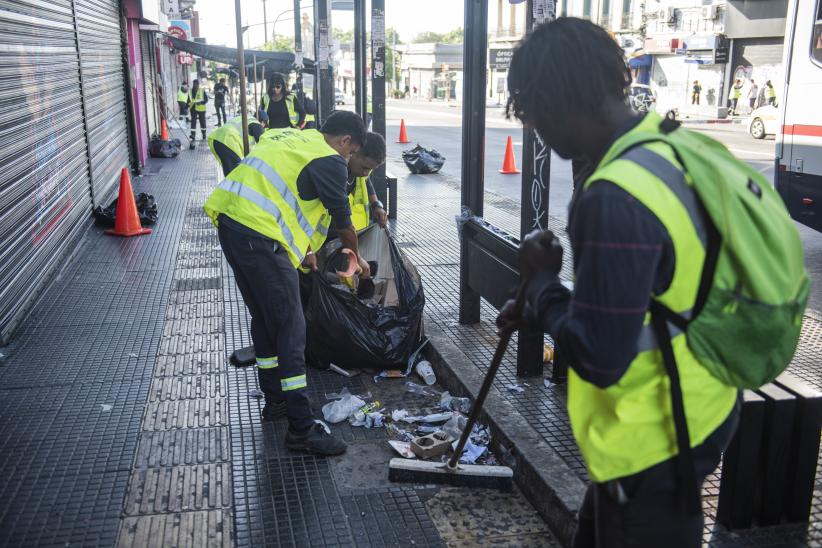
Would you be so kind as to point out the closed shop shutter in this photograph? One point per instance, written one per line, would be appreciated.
(754, 52)
(101, 52)
(148, 52)
(44, 172)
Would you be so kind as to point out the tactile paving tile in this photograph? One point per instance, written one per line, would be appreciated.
(179, 489)
(185, 387)
(195, 363)
(183, 447)
(212, 528)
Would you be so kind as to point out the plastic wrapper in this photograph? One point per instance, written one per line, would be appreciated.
(379, 333)
(339, 410)
(422, 160)
(146, 208)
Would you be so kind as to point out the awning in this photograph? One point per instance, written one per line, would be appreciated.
(274, 61)
(640, 61)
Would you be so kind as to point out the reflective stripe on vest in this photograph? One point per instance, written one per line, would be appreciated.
(293, 116)
(628, 426)
(358, 200)
(231, 135)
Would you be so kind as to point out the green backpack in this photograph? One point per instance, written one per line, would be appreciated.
(754, 288)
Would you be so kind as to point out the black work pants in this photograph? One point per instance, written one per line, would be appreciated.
(228, 158)
(270, 288)
(183, 108)
(220, 108)
(651, 511)
(195, 115)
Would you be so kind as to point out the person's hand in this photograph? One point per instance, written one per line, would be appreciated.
(310, 261)
(508, 318)
(365, 268)
(540, 251)
(379, 215)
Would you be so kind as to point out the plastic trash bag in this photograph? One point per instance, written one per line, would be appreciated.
(422, 160)
(164, 149)
(339, 410)
(377, 333)
(146, 208)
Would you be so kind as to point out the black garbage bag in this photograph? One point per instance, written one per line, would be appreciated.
(380, 332)
(159, 148)
(146, 208)
(422, 160)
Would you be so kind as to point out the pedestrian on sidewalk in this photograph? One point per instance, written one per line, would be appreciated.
(734, 96)
(697, 91)
(226, 142)
(284, 109)
(770, 93)
(626, 248)
(197, 106)
(220, 91)
(272, 212)
(753, 91)
(183, 99)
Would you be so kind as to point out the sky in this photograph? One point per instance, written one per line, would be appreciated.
(409, 17)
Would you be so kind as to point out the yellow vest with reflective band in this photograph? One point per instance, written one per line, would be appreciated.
(261, 193)
(770, 92)
(293, 116)
(368, 106)
(183, 96)
(231, 135)
(629, 427)
(358, 200)
(199, 107)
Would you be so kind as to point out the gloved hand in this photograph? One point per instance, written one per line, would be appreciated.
(540, 251)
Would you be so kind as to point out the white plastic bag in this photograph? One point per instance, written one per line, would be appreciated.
(339, 410)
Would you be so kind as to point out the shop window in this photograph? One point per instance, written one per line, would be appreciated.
(816, 44)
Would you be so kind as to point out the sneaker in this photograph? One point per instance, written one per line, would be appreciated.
(315, 440)
(273, 411)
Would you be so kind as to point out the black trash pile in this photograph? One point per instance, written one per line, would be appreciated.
(423, 160)
(146, 208)
(364, 324)
(159, 148)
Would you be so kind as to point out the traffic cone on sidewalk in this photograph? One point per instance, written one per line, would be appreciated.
(403, 135)
(127, 220)
(509, 163)
(164, 131)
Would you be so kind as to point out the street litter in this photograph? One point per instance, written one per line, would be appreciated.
(339, 370)
(403, 435)
(105, 406)
(452, 403)
(434, 418)
(431, 445)
(398, 415)
(342, 408)
(547, 353)
(132, 355)
(420, 160)
(515, 388)
(471, 453)
(547, 383)
(389, 374)
(146, 209)
(418, 389)
(426, 372)
(403, 448)
(359, 416)
(256, 393)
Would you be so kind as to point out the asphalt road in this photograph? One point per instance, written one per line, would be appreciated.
(439, 126)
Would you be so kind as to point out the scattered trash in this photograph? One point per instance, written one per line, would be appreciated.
(433, 418)
(403, 435)
(339, 370)
(403, 448)
(256, 393)
(146, 208)
(389, 374)
(426, 372)
(547, 353)
(357, 418)
(432, 445)
(413, 358)
(471, 452)
(106, 407)
(342, 408)
(515, 388)
(455, 425)
(132, 354)
(398, 415)
(547, 383)
(418, 389)
(422, 160)
(164, 148)
(452, 403)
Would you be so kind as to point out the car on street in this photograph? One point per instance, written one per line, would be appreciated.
(339, 98)
(764, 121)
(642, 98)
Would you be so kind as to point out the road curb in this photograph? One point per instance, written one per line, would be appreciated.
(540, 473)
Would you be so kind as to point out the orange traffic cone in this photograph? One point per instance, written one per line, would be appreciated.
(403, 135)
(509, 164)
(127, 220)
(164, 131)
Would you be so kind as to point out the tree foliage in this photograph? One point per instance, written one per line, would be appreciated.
(280, 43)
(454, 36)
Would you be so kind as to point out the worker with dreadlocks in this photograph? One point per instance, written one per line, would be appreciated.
(568, 81)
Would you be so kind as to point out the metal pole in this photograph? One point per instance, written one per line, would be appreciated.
(473, 138)
(359, 58)
(324, 71)
(378, 179)
(254, 80)
(536, 186)
(298, 51)
(265, 25)
(241, 66)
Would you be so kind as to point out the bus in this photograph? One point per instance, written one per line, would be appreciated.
(798, 171)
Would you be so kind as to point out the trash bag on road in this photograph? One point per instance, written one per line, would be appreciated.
(379, 332)
(159, 148)
(422, 160)
(146, 208)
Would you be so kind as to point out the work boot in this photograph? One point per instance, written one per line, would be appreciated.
(314, 440)
(191, 145)
(273, 411)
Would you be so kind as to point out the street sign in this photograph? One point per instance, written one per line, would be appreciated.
(500, 59)
(722, 55)
(170, 7)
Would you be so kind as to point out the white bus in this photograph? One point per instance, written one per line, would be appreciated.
(799, 139)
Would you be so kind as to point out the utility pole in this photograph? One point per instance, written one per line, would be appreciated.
(265, 25)
(241, 65)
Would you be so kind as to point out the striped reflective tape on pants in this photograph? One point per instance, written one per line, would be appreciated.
(268, 363)
(294, 383)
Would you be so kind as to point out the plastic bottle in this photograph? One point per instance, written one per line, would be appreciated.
(426, 372)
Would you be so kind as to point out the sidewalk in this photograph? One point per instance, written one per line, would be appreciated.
(123, 424)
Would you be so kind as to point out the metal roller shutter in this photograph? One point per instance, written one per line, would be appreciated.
(754, 52)
(149, 54)
(44, 172)
(101, 53)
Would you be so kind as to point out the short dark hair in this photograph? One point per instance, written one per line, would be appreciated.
(222, 79)
(277, 78)
(566, 66)
(345, 122)
(374, 147)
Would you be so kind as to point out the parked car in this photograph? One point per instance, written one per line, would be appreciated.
(642, 98)
(764, 121)
(339, 98)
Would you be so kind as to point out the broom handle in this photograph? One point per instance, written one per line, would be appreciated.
(502, 346)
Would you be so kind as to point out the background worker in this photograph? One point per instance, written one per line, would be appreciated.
(271, 212)
(696, 92)
(197, 106)
(362, 198)
(734, 96)
(626, 249)
(220, 92)
(284, 109)
(183, 98)
(226, 142)
(770, 93)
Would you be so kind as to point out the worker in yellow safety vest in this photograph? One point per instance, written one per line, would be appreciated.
(770, 93)
(284, 109)
(272, 211)
(226, 142)
(734, 95)
(637, 236)
(183, 98)
(197, 106)
(365, 206)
